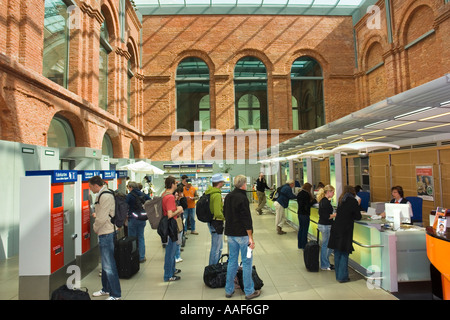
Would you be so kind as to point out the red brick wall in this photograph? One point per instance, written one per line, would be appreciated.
(221, 41)
(29, 101)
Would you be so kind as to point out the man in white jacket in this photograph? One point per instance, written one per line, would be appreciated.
(103, 227)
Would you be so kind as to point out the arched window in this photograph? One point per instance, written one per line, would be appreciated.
(105, 49)
(307, 91)
(56, 42)
(193, 105)
(60, 133)
(107, 146)
(131, 153)
(250, 90)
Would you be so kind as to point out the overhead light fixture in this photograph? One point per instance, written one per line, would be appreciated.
(364, 147)
(434, 127)
(411, 113)
(435, 117)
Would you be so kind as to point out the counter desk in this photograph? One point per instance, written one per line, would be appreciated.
(438, 249)
(385, 257)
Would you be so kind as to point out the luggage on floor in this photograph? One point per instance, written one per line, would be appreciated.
(311, 254)
(126, 254)
(64, 293)
(215, 275)
(257, 281)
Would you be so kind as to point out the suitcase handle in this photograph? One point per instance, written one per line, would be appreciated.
(224, 255)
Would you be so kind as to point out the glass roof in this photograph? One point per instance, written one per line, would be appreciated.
(280, 7)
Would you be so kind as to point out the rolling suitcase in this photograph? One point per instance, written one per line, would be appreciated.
(126, 254)
(311, 255)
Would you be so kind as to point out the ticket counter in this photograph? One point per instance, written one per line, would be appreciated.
(438, 249)
(383, 256)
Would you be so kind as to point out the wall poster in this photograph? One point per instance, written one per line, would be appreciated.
(424, 182)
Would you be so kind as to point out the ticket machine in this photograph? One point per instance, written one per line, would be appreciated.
(47, 231)
(86, 244)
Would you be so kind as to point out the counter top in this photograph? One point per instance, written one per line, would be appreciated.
(433, 233)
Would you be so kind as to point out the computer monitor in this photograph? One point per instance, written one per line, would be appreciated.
(398, 213)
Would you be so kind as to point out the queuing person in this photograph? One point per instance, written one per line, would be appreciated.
(326, 216)
(305, 200)
(103, 227)
(181, 201)
(261, 187)
(282, 203)
(239, 231)
(171, 210)
(216, 226)
(191, 196)
(341, 234)
(136, 227)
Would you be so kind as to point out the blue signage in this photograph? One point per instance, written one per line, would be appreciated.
(108, 174)
(122, 174)
(58, 176)
(87, 174)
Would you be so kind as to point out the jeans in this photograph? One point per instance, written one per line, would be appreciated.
(324, 251)
(190, 215)
(216, 245)
(302, 236)
(169, 259)
(236, 245)
(178, 250)
(136, 229)
(110, 276)
(341, 265)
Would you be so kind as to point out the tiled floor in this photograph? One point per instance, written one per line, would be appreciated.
(278, 262)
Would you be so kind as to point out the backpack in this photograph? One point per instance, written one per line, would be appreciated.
(275, 194)
(121, 210)
(154, 210)
(139, 211)
(202, 209)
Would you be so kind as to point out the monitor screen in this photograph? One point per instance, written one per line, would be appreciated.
(57, 200)
(398, 213)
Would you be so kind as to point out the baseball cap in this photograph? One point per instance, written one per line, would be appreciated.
(218, 177)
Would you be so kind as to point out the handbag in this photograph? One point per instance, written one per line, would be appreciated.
(65, 293)
(256, 279)
(215, 275)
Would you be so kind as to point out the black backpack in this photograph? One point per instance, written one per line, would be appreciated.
(139, 210)
(275, 194)
(121, 210)
(202, 209)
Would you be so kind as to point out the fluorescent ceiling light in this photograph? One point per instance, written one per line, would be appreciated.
(434, 127)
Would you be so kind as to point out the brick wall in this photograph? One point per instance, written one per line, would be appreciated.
(28, 101)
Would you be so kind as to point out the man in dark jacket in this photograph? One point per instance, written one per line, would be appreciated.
(261, 187)
(282, 203)
(239, 231)
(136, 225)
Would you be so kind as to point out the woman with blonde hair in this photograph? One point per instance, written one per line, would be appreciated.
(326, 215)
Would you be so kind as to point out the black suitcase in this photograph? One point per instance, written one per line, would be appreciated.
(311, 254)
(215, 275)
(126, 254)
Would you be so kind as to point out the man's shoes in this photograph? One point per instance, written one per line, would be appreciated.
(279, 231)
(229, 295)
(100, 293)
(174, 278)
(255, 294)
(113, 298)
(259, 211)
(194, 232)
(177, 271)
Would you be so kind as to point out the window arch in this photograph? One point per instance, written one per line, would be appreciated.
(193, 104)
(56, 42)
(307, 90)
(250, 88)
(60, 133)
(107, 146)
(105, 50)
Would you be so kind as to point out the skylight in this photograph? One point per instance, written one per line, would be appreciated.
(295, 7)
